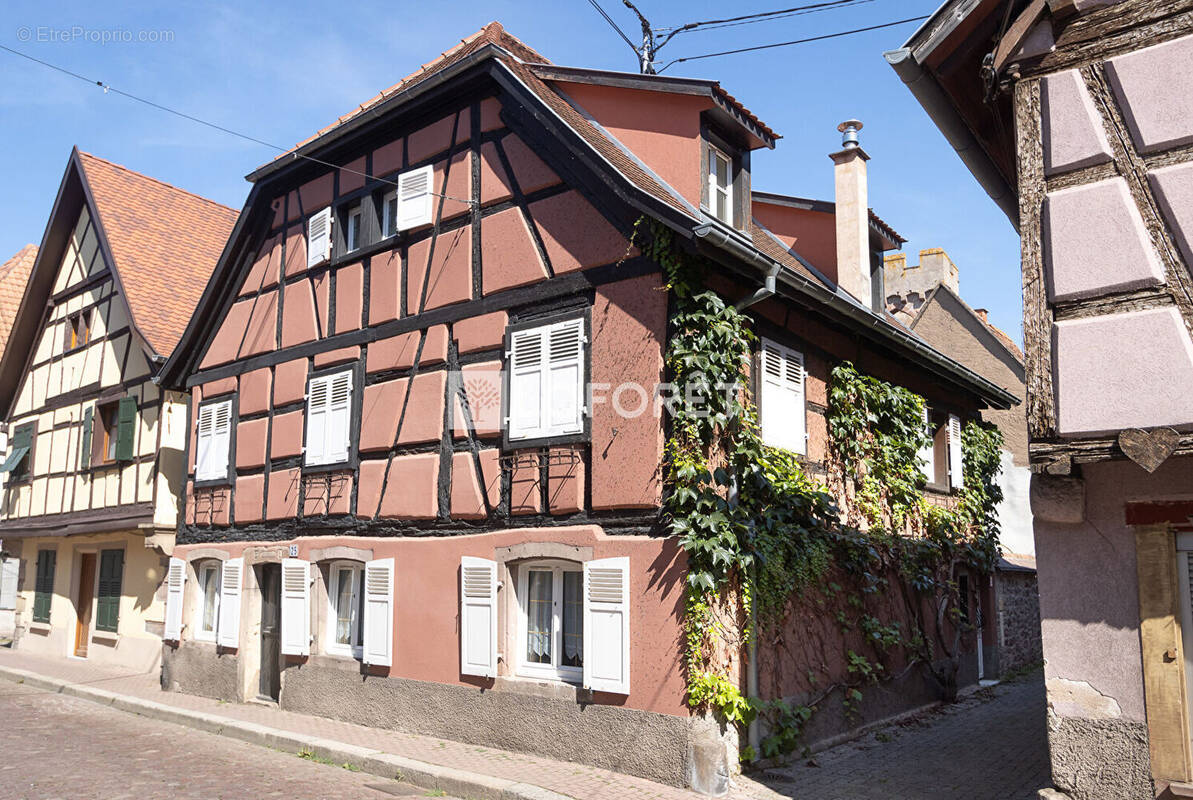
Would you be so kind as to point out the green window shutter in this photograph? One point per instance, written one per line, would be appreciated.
(85, 447)
(126, 430)
(43, 587)
(111, 568)
(23, 436)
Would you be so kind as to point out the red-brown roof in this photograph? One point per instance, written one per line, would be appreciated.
(165, 241)
(14, 274)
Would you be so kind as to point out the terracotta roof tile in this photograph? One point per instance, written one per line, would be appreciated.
(14, 274)
(165, 241)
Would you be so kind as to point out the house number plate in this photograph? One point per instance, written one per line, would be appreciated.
(293, 551)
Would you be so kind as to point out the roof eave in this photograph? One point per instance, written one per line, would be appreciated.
(755, 127)
(923, 85)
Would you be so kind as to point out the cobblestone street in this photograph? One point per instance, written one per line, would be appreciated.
(61, 747)
(990, 746)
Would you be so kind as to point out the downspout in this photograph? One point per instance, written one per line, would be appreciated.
(718, 237)
(767, 289)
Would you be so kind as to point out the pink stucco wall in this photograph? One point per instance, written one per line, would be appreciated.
(427, 603)
(663, 130)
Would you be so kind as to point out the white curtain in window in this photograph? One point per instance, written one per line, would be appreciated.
(538, 617)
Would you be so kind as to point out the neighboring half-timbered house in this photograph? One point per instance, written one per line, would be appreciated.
(95, 455)
(14, 274)
(424, 461)
(1077, 118)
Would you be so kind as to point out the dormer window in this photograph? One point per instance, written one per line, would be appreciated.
(720, 185)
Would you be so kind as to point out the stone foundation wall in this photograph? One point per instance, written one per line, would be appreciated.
(1019, 621)
(549, 720)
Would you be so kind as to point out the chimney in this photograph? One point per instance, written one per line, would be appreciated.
(853, 215)
(983, 313)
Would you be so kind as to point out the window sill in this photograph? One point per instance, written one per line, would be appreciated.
(334, 661)
(40, 627)
(105, 636)
(320, 469)
(542, 687)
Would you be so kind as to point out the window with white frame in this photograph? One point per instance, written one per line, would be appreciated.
(781, 407)
(214, 441)
(546, 380)
(720, 185)
(345, 608)
(329, 415)
(352, 229)
(389, 213)
(551, 601)
(207, 610)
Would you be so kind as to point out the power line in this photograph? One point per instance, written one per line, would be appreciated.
(762, 15)
(777, 15)
(795, 41)
(108, 88)
(614, 25)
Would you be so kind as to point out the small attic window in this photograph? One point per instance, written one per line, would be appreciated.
(78, 330)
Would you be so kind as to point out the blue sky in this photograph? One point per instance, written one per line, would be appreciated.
(278, 73)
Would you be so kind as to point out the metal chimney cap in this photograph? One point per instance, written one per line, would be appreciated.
(849, 129)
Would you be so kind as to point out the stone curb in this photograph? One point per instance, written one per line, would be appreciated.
(472, 785)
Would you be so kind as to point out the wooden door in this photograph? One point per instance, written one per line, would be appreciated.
(84, 603)
(271, 624)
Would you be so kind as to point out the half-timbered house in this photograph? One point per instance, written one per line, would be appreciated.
(95, 455)
(424, 465)
(14, 274)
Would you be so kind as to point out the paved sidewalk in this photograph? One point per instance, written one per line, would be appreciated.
(992, 745)
(467, 770)
(51, 750)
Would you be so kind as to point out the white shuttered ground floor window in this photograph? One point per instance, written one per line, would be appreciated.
(572, 625)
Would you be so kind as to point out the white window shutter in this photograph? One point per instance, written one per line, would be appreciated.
(214, 441)
(10, 572)
(956, 458)
(296, 607)
(315, 451)
(478, 617)
(795, 379)
(565, 378)
(781, 402)
(203, 443)
(222, 443)
(928, 451)
(607, 625)
(319, 237)
(175, 583)
(414, 197)
(379, 612)
(339, 417)
(527, 381)
(231, 580)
